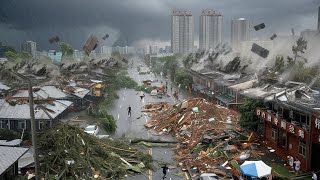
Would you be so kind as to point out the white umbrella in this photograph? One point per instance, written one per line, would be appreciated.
(255, 169)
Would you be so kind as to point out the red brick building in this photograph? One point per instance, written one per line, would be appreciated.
(291, 126)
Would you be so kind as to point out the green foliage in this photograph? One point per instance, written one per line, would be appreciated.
(170, 64)
(106, 120)
(233, 66)
(66, 49)
(8, 134)
(11, 56)
(184, 78)
(191, 59)
(299, 48)
(89, 154)
(25, 55)
(8, 48)
(248, 120)
(146, 89)
(279, 64)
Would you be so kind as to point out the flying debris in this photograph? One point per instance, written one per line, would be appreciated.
(54, 39)
(91, 44)
(105, 37)
(259, 50)
(273, 37)
(259, 26)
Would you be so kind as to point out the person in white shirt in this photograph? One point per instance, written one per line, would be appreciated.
(314, 176)
(297, 166)
(290, 160)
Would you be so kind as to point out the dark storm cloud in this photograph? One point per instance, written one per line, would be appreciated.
(132, 20)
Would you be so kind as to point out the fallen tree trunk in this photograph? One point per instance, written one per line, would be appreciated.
(152, 141)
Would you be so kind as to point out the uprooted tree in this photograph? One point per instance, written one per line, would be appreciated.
(67, 152)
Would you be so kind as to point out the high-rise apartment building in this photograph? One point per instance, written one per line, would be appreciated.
(239, 32)
(211, 29)
(182, 32)
(30, 47)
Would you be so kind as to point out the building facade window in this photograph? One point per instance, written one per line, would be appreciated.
(21, 124)
(4, 124)
(283, 140)
(44, 124)
(274, 134)
(302, 147)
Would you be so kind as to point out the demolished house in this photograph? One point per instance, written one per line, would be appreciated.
(75, 95)
(290, 121)
(221, 88)
(94, 86)
(15, 113)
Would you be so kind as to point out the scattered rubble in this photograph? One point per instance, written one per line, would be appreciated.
(196, 123)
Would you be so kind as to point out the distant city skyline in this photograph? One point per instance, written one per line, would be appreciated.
(128, 22)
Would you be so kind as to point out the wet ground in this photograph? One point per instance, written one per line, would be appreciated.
(133, 127)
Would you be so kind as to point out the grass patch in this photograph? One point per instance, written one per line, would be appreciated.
(281, 170)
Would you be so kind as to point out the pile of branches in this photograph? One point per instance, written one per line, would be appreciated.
(67, 152)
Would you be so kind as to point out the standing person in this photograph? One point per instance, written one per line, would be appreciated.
(314, 176)
(297, 166)
(164, 171)
(129, 110)
(141, 96)
(290, 160)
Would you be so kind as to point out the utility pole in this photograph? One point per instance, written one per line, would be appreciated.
(33, 131)
(33, 124)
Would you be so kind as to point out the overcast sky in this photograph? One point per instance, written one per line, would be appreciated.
(139, 21)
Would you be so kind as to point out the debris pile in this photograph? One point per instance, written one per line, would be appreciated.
(196, 123)
(67, 151)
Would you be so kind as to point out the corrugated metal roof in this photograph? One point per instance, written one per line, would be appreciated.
(44, 92)
(23, 93)
(22, 111)
(52, 92)
(9, 155)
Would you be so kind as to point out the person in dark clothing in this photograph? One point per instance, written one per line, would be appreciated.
(164, 170)
(141, 97)
(129, 110)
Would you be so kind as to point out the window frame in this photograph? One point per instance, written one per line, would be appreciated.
(24, 124)
(302, 148)
(274, 133)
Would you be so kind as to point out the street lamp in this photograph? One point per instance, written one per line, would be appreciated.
(33, 124)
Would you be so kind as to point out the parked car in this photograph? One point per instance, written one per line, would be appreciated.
(92, 129)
